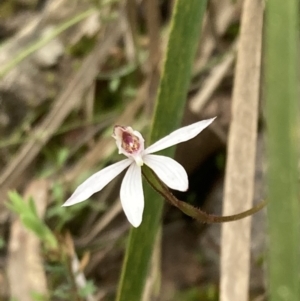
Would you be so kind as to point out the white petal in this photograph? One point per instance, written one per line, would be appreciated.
(183, 134)
(96, 182)
(169, 171)
(132, 196)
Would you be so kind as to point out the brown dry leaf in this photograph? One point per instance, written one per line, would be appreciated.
(239, 181)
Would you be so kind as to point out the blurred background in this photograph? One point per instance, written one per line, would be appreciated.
(69, 71)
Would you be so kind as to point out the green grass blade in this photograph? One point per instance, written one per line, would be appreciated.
(282, 108)
(184, 36)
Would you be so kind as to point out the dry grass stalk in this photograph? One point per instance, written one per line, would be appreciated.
(76, 267)
(239, 182)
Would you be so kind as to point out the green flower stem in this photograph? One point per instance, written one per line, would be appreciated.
(183, 40)
(190, 210)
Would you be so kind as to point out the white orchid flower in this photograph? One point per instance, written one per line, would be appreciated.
(131, 144)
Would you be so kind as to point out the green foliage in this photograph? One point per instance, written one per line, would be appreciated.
(61, 292)
(39, 297)
(30, 219)
(88, 289)
(205, 293)
(60, 286)
(56, 158)
(59, 214)
(82, 47)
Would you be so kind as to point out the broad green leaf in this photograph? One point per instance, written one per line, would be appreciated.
(282, 108)
(184, 37)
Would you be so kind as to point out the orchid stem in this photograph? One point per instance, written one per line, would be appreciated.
(190, 210)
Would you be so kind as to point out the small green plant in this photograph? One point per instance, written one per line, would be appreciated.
(204, 293)
(30, 219)
(57, 212)
(89, 289)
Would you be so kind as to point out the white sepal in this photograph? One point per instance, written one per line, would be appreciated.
(132, 196)
(96, 182)
(180, 135)
(169, 171)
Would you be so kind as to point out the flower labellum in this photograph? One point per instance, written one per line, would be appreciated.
(131, 144)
